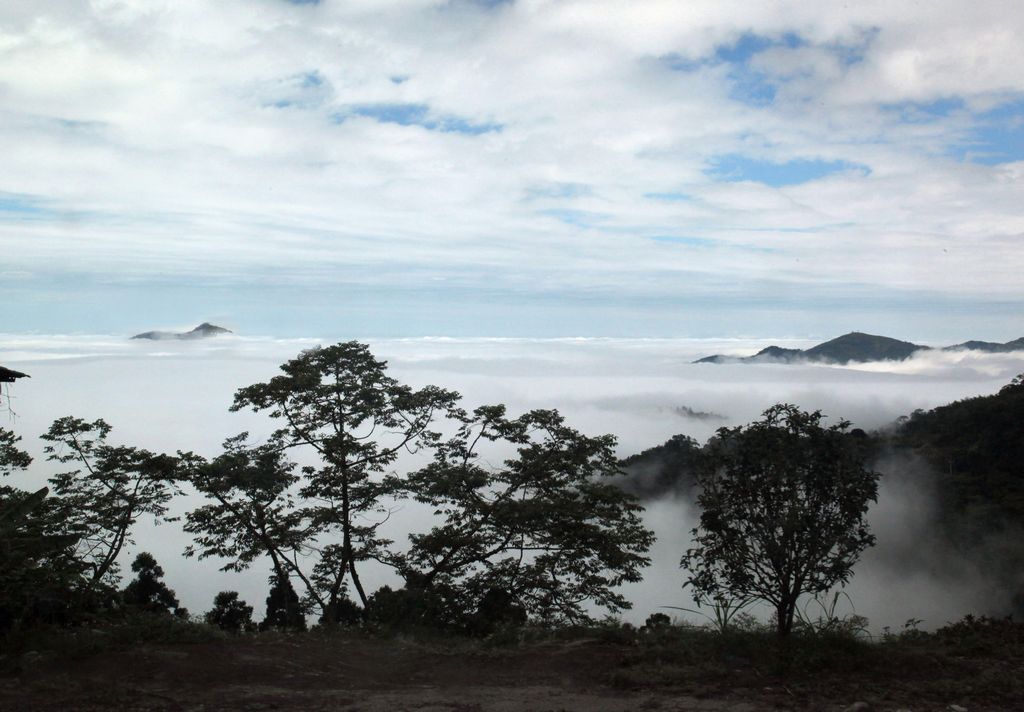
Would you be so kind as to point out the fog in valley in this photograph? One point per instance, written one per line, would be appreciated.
(169, 396)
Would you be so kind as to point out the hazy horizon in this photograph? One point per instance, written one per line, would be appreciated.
(171, 395)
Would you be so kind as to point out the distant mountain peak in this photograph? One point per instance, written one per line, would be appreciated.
(203, 331)
(854, 347)
(857, 347)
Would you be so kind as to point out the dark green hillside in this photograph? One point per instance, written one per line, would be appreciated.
(977, 447)
(664, 469)
(989, 346)
(857, 346)
(778, 353)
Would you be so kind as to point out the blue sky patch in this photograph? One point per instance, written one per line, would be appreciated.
(14, 206)
(850, 54)
(558, 190)
(576, 218)
(305, 91)
(997, 136)
(416, 115)
(749, 86)
(733, 168)
(913, 112)
(671, 197)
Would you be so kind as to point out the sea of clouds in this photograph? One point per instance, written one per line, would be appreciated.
(170, 395)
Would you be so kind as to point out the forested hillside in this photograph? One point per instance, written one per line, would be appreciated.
(976, 447)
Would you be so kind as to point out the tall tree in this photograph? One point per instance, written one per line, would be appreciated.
(108, 490)
(783, 504)
(546, 530)
(253, 514)
(284, 611)
(148, 590)
(339, 402)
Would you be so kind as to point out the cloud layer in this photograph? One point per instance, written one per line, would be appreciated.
(523, 167)
(173, 395)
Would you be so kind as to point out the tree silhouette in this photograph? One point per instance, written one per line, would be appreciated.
(784, 501)
(544, 531)
(230, 613)
(284, 611)
(340, 403)
(147, 591)
(108, 490)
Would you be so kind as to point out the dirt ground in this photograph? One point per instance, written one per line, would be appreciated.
(373, 675)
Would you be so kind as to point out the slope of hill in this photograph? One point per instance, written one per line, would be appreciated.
(203, 331)
(977, 449)
(858, 347)
(855, 347)
(989, 346)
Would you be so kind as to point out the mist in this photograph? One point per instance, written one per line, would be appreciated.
(169, 396)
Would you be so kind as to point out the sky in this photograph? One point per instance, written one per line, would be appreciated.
(527, 168)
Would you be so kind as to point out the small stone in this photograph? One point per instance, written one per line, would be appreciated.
(956, 708)
(858, 707)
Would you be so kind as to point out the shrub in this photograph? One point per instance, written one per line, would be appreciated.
(230, 613)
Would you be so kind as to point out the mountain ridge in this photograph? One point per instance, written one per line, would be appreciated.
(203, 331)
(858, 347)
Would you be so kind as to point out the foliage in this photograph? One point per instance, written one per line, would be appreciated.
(11, 456)
(408, 609)
(39, 575)
(724, 611)
(252, 513)
(984, 635)
(657, 621)
(976, 446)
(665, 469)
(107, 492)
(230, 613)
(340, 403)
(148, 591)
(784, 501)
(821, 616)
(544, 531)
(284, 611)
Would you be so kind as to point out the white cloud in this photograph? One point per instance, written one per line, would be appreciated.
(167, 396)
(176, 138)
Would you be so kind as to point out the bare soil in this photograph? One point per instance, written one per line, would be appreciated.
(357, 673)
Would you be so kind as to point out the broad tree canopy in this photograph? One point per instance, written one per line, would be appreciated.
(546, 527)
(340, 402)
(784, 501)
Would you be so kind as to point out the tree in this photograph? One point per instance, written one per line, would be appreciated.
(283, 609)
(12, 457)
(543, 532)
(340, 403)
(107, 492)
(147, 590)
(39, 573)
(230, 613)
(784, 501)
(253, 512)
